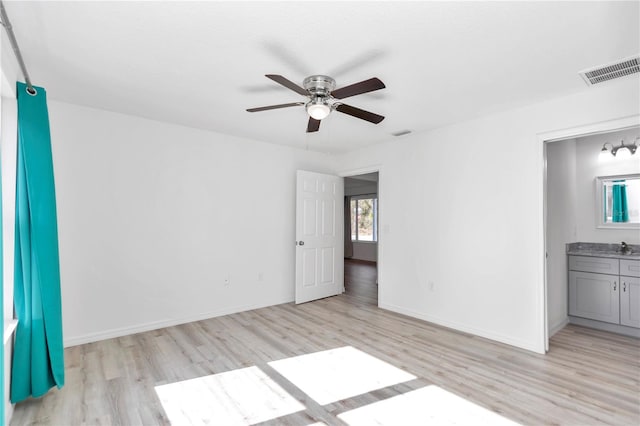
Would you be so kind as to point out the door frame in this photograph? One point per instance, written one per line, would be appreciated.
(555, 136)
(362, 171)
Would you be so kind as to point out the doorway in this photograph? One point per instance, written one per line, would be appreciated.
(362, 237)
(571, 164)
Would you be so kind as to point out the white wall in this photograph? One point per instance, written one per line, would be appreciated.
(471, 222)
(561, 226)
(8, 144)
(365, 251)
(8, 152)
(152, 217)
(588, 167)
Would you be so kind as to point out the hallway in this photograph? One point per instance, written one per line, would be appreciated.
(360, 282)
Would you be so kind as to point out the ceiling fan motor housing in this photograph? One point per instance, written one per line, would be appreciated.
(319, 85)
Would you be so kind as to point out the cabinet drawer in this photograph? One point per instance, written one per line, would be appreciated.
(630, 268)
(599, 265)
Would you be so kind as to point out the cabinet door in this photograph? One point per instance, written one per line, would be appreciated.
(630, 301)
(594, 296)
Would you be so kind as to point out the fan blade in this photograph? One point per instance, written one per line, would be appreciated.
(360, 113)
(287, 83)
(313, 125)
(358, 88)
(265, 108)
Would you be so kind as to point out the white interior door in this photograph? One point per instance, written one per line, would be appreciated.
(319, 236)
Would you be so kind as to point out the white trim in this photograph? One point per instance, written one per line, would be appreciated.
(9, 328)
(488, 334)
(363, 196)
(590, 129)
(362, 171)
(541, 294)
(555, 136)
(126, 331)
(557, 327)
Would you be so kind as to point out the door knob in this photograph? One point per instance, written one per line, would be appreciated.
(301, 243)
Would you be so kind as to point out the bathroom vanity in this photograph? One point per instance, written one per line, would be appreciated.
(604, 287)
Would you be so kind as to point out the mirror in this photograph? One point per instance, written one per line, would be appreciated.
(618, 201)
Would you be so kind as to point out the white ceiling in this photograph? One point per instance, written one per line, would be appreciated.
(202, 64)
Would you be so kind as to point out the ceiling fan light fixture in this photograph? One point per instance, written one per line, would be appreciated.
(318, 108)
(319, 90)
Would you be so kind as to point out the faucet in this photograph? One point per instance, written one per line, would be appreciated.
(624, 248)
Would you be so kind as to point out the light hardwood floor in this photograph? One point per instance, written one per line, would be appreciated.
(360, 279)
(588, 376)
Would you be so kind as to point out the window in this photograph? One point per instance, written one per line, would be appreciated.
(364, 218)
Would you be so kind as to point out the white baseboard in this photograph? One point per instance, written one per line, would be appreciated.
(523, 344)
(154, 325)
(553, 329)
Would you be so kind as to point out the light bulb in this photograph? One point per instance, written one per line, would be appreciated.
(318, 109)
(623, 153)
(605, 155)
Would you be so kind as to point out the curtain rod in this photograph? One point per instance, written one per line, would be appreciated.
(14, 44)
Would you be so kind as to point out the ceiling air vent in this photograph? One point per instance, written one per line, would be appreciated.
(617, 69)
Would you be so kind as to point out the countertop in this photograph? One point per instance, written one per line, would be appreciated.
(603, 250)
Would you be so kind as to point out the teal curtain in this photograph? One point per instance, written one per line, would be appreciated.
(38, 358)
(619, 207)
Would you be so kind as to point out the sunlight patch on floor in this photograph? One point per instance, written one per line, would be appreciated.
(239, 397)
(428, 405)
(337, 374)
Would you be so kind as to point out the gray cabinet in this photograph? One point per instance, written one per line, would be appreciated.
(630, 301)
(630, 268)
(605, 289)
(594, 296)
(598, 265)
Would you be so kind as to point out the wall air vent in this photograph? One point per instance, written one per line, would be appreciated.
(401, 133)
(607, 72)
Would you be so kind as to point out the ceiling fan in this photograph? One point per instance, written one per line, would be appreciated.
(323, 98)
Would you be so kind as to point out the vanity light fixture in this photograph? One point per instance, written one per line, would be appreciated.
(621, 151)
